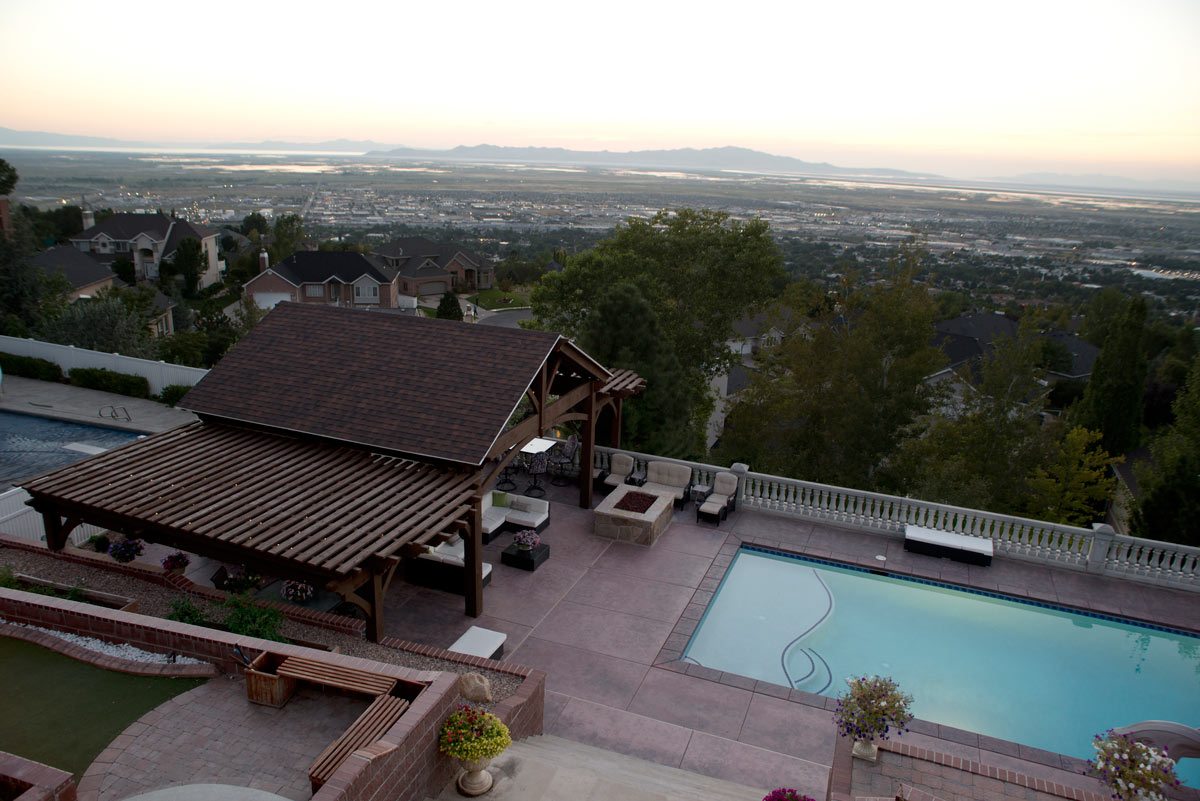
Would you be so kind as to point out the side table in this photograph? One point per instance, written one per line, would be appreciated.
(525, 558)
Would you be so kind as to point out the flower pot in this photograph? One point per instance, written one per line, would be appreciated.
(474, 780)
(865, 750)
(523, 547)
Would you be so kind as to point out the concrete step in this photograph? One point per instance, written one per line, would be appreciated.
(639, 778)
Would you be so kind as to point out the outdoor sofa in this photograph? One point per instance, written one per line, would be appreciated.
(669, 477)
(502, 510)
(442, 567)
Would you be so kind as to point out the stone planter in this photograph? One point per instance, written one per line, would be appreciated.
(865, 750)
(475, 779)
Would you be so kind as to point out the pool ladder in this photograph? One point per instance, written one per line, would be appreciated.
(116, 413)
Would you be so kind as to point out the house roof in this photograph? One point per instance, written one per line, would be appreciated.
(419, 387)
(79, 268)
(181, 230)
(421, 258)
(750, 327)
(127, 226)
(986, 327)
(319, 266)
(1083, 353)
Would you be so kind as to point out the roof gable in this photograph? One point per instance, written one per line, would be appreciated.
(125, 227)
(77, 267)
(431, 389)
(319, 266)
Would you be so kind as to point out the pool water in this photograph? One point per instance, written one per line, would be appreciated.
(31, 445)
(1041, 676)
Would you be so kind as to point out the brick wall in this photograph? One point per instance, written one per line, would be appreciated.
(270, 282)
(25, 780)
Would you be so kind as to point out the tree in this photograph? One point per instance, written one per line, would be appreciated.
(104, 324)
(1169, 505)
(449, 308)
(698, 269)
(28, 296)
(288, 236)
(188, 264)
(832, 402)
(1074, 483)
(1112, 402)
(1101, 314)
(255, 223)
(8, 178)
(622, 331)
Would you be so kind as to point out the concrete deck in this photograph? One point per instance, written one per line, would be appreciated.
(79, 405)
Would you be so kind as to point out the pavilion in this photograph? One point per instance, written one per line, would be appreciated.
(333, 443)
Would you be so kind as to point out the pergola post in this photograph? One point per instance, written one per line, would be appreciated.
(473, 557)
(56, 529)
(587, 451)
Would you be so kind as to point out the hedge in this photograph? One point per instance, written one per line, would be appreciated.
(134, 386)
(30, 367)
(172, 393)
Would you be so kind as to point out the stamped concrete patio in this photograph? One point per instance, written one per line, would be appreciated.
(607, 621)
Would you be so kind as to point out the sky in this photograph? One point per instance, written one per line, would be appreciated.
(970, 88)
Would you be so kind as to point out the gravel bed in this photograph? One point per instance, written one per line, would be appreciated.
(155, 600)
(121, 650)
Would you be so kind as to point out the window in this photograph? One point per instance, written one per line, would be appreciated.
(374, 291)
(314, 290)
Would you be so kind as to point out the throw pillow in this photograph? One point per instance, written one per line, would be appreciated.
(499, 498)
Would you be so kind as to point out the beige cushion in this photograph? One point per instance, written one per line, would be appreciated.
(725, 484)
(620, 465)
(669, 474)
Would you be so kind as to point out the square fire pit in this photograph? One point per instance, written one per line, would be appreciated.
(646, 515)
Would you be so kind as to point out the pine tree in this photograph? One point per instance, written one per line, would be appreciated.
(1169, 506)
(1112, 402)
(449, 308)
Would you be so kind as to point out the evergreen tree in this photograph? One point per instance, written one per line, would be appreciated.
(1112, 402)
(1169, 506)
(104, 324)
(449, 308)
(1074, 483)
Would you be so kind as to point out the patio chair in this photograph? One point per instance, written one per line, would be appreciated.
(506, 482)
(620, 468)
(537, 469)
(720, 500)
(563, 458)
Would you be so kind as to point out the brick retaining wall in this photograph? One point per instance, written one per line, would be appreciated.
(25, 780)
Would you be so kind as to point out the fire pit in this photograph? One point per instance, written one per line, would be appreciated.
(631, 514)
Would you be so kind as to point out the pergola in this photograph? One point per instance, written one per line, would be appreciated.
(311, 465)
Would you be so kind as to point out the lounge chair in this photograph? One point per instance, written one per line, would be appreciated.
(620, 468)
(716, 505)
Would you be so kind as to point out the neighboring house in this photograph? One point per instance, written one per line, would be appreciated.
(966, 339)
(337, 278)
(750, 336)
(87, 277)
(146, 240)
(425, 267)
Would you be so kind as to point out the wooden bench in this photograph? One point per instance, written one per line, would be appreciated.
(370, 726)
(345, 678)
(960, 547)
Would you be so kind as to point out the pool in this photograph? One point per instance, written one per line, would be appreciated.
(1025, 672)
(31, 445)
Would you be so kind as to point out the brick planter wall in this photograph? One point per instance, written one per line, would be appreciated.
(25, 780)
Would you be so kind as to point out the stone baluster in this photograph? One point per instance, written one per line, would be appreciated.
(1102, 537)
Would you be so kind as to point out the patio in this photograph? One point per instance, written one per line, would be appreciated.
(606, 620)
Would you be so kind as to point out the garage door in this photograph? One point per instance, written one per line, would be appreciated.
(433, 288)
(267, 300)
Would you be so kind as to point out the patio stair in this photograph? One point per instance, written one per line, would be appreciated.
(551, 765)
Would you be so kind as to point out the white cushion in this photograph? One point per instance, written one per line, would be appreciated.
(669, 474)
(478, 641)
(725, 484)
(671, 488)
(948, 539)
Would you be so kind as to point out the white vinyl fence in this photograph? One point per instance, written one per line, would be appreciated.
(159, 374)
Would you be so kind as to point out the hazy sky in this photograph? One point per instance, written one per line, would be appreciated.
(964, 88)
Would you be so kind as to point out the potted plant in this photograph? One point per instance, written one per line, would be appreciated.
(473, 737)
(1132, 770)
(786, 794)
(527, 540)
(176, 562)
(126, 550)
(298, 591)
(871, 708)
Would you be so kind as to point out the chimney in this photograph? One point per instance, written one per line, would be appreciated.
(264, 260)
(89, 219)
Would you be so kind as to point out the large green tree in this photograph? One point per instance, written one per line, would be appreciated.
(833, 400)
(28, 296)
(449, 308)
(1112, 402)
(104, 324)
(288, 236)
(1169, 505)
(8, 178)
(187, 264)
(622, 331)
(699, 269)
(1074, 482)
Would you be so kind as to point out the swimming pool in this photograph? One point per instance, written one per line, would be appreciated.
(1029, 673)
(31, 445)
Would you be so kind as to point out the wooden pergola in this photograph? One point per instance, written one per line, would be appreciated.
(319, 469)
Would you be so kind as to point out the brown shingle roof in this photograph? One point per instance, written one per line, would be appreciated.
(431, 389)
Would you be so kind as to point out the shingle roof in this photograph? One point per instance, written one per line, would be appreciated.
(181, 230)
(127, 226)
(985, 327)
(426, 388)
(1083, 353)
(415, 251)
(318, 266)
(77, 267)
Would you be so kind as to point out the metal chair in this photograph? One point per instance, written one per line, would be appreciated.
(561, 459)
(537, 469)
(506, 482)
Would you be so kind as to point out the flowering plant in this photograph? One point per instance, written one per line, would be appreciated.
(470, 734)
(527, 538)
(176, 561)
(298, 591)
(126, 550)
(786, 794)
(871, 708)
(1131, 769)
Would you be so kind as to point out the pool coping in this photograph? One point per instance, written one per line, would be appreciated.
(670, 658)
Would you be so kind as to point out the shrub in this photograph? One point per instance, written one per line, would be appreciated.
(135, 386)
(75, 594)
(1132, 770)
(176, 561)
(298, 591)
(471, 734)
(184, 611)
(98, 543)
(871, 708)
(172, 393)
(30, 367)
(786, 794)
(126, 550)
(247, 618)
(7, 579)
